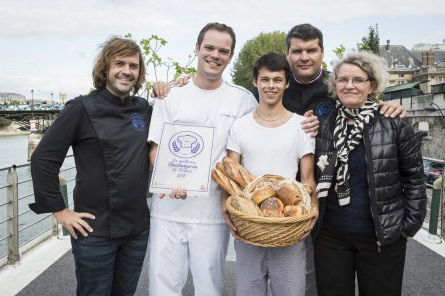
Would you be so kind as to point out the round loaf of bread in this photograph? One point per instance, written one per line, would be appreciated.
(294, 211)
(272, 207)
(289, 194)
(262, 194)
(242, 204)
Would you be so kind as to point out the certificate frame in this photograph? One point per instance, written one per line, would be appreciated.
(183, 159)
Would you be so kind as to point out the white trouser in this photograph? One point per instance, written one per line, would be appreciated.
(174, 247)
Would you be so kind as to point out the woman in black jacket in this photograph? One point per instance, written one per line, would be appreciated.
(371, 187)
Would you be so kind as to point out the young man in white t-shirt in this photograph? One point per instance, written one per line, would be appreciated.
(189, 232)
(270, 140)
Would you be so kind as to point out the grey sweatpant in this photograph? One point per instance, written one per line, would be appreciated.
(285, 267)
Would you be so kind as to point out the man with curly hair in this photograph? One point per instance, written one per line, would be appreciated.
(107, 130)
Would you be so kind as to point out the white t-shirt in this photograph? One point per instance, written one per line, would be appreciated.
(268, 150)
(216, 108)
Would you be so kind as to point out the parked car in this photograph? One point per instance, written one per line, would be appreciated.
(432, 171)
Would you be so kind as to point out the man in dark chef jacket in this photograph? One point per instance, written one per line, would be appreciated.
(107, 130)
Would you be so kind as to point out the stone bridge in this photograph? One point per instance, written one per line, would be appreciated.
(43, 118)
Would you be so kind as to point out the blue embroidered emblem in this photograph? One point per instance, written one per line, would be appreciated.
(137, 121)
(186, 144)
(324, 109)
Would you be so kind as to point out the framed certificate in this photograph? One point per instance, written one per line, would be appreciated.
(183, 159)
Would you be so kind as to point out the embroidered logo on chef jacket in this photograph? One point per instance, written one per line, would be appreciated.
(186, 144)
(324, 109)
(137, 121)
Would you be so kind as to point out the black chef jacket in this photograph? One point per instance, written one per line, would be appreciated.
(299, 98)
(109, 141)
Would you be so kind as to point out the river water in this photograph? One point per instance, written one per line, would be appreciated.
(14, 151)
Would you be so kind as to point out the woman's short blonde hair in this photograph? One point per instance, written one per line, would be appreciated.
(373, 65)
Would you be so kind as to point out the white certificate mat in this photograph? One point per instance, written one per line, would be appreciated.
(183, 159)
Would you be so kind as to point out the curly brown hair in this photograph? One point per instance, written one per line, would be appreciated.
(116, 46)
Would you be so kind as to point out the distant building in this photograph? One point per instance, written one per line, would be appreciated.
(62, 98)
(8, 97)
(419, 47)
(402, 91)
(432, 69)
(401, 63)
(424, 64)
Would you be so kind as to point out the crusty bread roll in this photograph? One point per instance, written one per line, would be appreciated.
(294, 211)
(240, 203)
(262, 194)
(289, 194)
(272, 207)
(237, 172)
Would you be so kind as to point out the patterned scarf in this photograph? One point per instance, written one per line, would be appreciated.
(343, 144)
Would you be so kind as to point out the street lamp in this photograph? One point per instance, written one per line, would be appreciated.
(32, 104)
(52, 101)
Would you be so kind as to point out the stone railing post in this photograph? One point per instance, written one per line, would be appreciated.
(13, 216)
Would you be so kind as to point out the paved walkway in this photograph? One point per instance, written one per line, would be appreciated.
(424, 275)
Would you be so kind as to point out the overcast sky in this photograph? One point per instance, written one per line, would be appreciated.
(49, 46)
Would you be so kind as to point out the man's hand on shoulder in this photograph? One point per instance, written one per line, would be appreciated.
(73, 221)
(392, 109)
(311, 124)
(161, 88)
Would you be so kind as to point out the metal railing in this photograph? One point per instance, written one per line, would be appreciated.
(13, 202)
(435, 219)
(21, 229)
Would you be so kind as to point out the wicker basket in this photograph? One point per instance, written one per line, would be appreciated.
(269, 231)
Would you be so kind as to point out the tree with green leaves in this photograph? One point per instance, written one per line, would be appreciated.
(150, 50)
(371, 42)
(340, 52)
(253, 49)
(5, 122)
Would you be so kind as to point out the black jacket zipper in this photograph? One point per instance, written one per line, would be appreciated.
(370, 175)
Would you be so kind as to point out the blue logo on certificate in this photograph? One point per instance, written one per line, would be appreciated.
(186, 144)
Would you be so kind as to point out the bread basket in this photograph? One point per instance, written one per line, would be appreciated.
(270, 231)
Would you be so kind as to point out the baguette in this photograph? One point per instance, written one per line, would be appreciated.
(247, 176)
(221, 168)
(222, 180)
(237, 172)
(235, 186)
